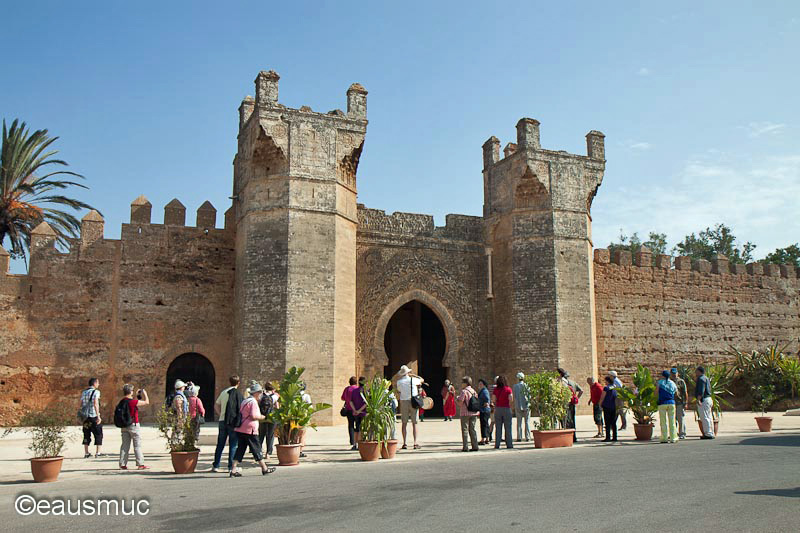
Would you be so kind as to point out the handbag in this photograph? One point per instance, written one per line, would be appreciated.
(417, 401)
(344, 411)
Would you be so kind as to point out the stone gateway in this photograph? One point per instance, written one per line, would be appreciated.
(301, 274)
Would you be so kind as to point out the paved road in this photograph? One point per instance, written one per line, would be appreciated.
(739, 484)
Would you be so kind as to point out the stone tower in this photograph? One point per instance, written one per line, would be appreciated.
(537, 210)
(295, 215)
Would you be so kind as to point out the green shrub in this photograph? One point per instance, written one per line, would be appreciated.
(177, 430)
(378, 420)
(641, 399)
(47, 429)
(293, 415)
(549, 398)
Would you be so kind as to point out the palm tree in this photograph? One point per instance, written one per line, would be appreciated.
(26, 198)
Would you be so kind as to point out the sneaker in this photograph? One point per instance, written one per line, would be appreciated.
(123, 467)
(86, 456)
(142, 467)
(97, 455)
(216, 469)
(354, 448)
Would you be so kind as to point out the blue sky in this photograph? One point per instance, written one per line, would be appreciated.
(698, 101)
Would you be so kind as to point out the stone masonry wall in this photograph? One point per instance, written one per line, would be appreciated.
(689, 313)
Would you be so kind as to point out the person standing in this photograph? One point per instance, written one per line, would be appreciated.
(248, 432)
(702, 395)
(351, 420)
(179, 403)
(407, 385)
(226, 433)
(358, 406)
(424, 394)
(393, 405)
(595, 392)
(492, 406)
(89, 412)
(577, 392)
(621, 411)
(448, 400)
(522, 407)
(132, 433)
(666, 408)
(485, 401)
(466, 416)
(608, 401)
(681, 399)
(266, 428)
(502, 398)
(197, 411)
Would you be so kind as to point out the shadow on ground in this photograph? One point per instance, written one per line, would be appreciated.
(788, 493)
(777, 440)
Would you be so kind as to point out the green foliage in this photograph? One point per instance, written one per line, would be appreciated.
(378, 421)
(790, 369)
(720, 378)
(710, 242)
(785, 256)
(765, 368)
(656, 243)
(642, 399)
(549, 398)
(47, 429)
(763, 396)
(26, 199)
(176, 429)
(293, 415)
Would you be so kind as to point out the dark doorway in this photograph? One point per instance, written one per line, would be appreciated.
(415, 337)
(199, 370)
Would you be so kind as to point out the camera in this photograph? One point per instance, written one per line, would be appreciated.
(139, 394)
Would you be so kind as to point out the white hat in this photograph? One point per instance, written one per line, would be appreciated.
(404, 370)
(179, 384)
(613, 373)
(520, 375)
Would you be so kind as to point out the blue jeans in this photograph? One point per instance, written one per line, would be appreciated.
(225, 434)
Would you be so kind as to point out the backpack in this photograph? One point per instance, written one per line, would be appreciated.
(122, 414)
(169, 403)
(574, 400)
(265, 404)
(233, 418)
(473, 404)
(86, 407)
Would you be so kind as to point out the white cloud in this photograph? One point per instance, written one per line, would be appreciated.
(643, 71)
(636, 145)
(757, 198)
(757, 129)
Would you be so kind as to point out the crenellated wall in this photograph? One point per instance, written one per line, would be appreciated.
(662, 311)
(120, 310)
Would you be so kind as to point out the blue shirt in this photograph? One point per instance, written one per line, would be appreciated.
(485, 400)
(610, 401)
(703, 388)
(666, 392)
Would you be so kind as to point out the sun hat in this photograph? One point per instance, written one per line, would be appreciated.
(673, 370)
(404, 370)
(520, 375)
(254, 387)
(613, 373)
(179, 383)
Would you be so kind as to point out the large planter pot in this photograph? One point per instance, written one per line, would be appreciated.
(370, 450)
(46, 470)
(389, 449)
(716, 427)
(288, 454)
(764, 423)
(643, 431)
(184, 462)
(555, 438)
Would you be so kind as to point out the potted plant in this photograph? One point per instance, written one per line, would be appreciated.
(763, 396)
(549, 400)
(178, 431)
(642, 401)
(292, 417)
(47, 429)
(376, 424)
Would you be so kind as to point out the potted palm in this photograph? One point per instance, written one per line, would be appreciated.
(47, 429)
(549, 400)
(178, 431)
(642, 401)
(292, 417)
(376, 424)
(763, 396)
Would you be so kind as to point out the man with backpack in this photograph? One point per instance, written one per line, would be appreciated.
(468, 409)
(89, 416)
(577, 392)
(522, 406)
(126, 418)
(229, 419)
(266, 429)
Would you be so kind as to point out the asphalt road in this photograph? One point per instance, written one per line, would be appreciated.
(731, 483)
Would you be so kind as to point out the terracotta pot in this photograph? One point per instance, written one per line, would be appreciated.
(370, 450)
(764, 423)
(555, 438)
(716, 427)
(184, 462)
(288, 454)
(389, 449)
(46, 469)
(643, 431)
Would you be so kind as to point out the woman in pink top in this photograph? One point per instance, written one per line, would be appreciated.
(195, 408)
(351, 419)
(248, 432)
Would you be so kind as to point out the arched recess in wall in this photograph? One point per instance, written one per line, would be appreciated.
(198, 369)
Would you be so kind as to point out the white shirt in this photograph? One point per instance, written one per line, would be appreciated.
(408, 387)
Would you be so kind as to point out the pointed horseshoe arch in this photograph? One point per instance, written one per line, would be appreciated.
(453, 338)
